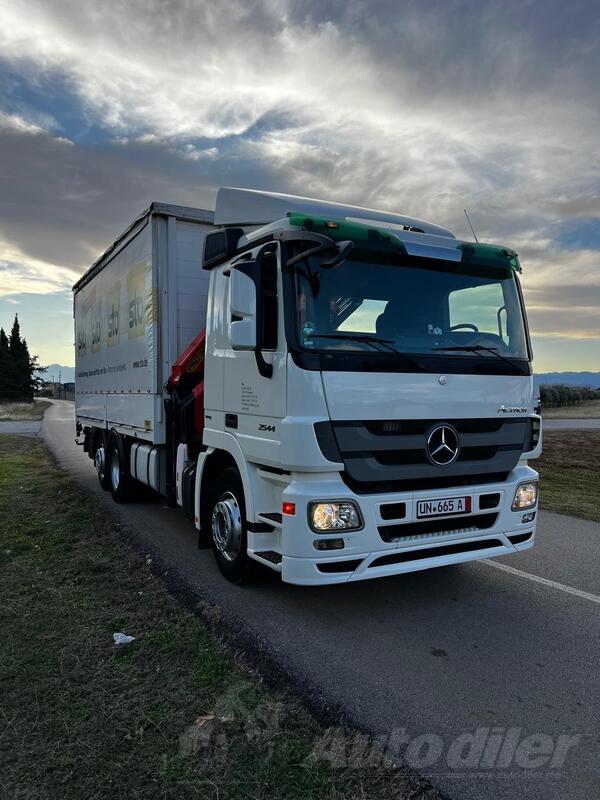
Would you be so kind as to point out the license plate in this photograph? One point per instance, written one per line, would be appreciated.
(443, 506)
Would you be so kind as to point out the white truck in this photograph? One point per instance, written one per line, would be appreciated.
(334, 392)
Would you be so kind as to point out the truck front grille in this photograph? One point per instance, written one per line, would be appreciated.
(390, 455)
(463, 524)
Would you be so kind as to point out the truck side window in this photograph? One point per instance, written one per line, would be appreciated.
(268, 300)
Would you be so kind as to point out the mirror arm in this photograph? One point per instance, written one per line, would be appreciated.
(312, 251)
(264, 368)
(499, 318)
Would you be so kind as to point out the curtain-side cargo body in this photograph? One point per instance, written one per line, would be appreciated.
(135, 310)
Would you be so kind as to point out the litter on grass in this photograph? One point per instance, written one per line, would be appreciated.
(122, 638)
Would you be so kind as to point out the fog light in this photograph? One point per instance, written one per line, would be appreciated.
(334, 516)
(528, 517)
(328, 544)
(526, 496)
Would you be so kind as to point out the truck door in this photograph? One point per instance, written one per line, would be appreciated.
(254, 380)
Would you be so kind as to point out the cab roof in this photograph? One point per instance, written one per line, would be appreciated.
(244, 207)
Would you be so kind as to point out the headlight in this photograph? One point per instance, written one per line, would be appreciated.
(334, 516)
(526, 496)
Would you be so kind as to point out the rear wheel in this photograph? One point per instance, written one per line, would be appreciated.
(118, 469)
(227, 526)
(100, 461)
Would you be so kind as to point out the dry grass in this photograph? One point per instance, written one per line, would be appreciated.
(570, 473)
(587, 410)
(170, 716)
(21, 412)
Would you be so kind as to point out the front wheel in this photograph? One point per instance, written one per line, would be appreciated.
(227, 525)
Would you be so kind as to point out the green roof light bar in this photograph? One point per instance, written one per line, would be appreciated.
(489, 255)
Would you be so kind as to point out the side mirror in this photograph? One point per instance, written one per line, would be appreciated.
(243, 334)
(243, 306)
(220, 246)
(243, 292)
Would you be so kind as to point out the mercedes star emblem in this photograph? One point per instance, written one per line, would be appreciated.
(442, 445)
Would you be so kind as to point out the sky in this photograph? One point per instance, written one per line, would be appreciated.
(424, 108)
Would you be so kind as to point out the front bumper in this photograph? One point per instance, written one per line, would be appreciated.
(385, 546)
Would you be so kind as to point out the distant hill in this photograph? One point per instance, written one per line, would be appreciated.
(570, 378)
(67, 374)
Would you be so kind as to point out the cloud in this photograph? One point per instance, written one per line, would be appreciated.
(20, 274)
(17, 123)
(424, 108)
(65, 203)
(586, 206)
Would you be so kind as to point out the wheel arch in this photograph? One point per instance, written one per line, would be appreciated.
(213, 461)
(99, 438)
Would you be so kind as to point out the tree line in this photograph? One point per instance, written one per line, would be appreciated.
(19, 371)
(554, 395)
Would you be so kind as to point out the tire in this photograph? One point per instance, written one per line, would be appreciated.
(117, 468)
(226, 520)
(100, 461)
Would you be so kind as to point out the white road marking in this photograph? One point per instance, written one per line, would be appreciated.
(544, 581)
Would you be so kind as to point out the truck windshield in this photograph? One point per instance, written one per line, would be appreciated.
(378, 300)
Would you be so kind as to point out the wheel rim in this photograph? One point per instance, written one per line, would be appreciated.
(226, 526)
(115, 469)
(100, 461)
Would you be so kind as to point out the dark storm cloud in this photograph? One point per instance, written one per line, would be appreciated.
(65, 203)
(475, 49)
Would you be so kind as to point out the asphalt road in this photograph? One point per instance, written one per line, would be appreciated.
(439, 653)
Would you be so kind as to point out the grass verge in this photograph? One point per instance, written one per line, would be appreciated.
(570, 473)
(586, 410)
(172, 714)
(21, 412)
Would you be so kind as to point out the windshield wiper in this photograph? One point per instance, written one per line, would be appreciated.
(372, 340)
(359, 338)
(477, 348)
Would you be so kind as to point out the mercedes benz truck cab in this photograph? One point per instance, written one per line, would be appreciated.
(376, 387)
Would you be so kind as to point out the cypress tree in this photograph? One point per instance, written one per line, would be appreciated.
(30, 366)
(17, 382)
(18, 379)
(5, 365)
(15, 336)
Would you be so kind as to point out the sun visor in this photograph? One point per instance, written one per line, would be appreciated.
(429, 251)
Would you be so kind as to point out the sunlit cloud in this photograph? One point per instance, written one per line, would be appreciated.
(22, 275)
